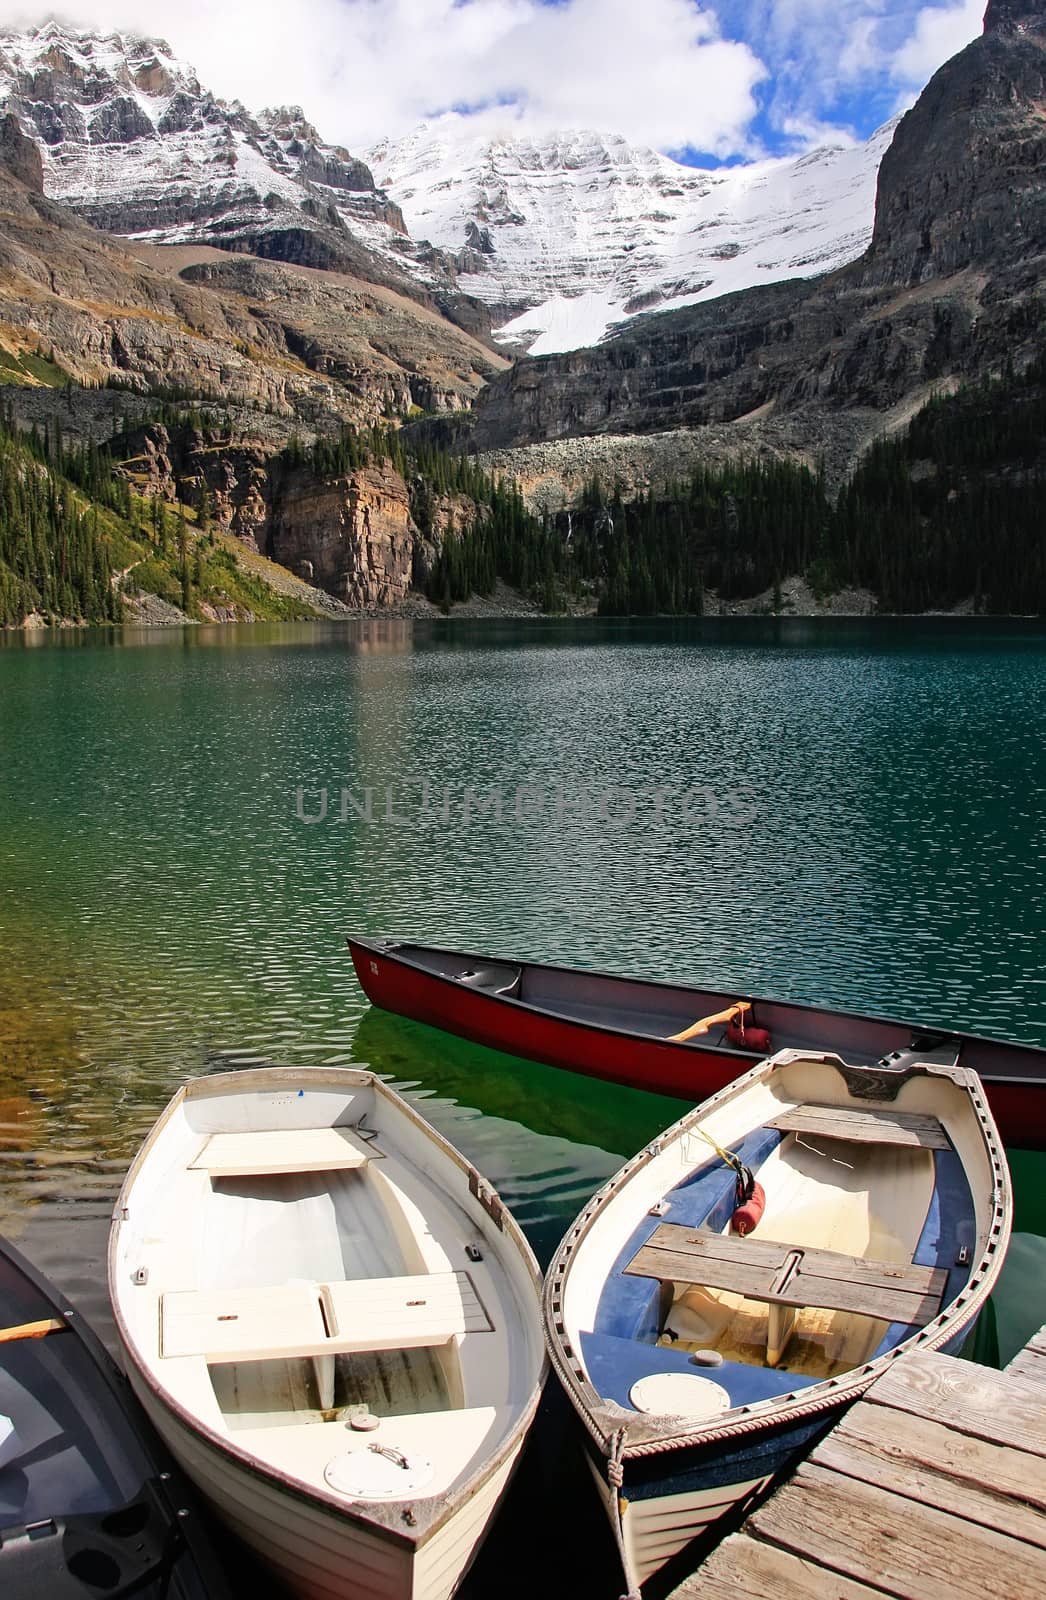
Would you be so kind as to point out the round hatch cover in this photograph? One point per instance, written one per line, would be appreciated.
(379, 1474)
(679, 1394)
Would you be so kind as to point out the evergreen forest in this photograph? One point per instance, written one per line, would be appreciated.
(949, 511)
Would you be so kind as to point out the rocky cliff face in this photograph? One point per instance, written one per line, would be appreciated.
(353, 536)
(951, 286)
(361, 536)
(962, 183)
(20, 155)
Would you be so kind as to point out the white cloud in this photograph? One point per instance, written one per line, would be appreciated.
(725, 76)
(363, 69)
(938, 32)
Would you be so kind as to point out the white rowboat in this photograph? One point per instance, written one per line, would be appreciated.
(702, 1362)
(334, 1323)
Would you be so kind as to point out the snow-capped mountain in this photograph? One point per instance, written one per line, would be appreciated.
(562, 238)
(565, 236)
(132, 141)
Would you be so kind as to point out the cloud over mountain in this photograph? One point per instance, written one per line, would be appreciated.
(722, 77)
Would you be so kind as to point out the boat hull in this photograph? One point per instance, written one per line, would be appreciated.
(85, 1470)
(651, 1280)
(284, 1268)
(668, 1500)
(323, 1552)
(1014, 1076)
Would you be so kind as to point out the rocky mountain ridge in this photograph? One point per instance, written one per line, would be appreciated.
(555, 239)
(312, 348)
(131, 140)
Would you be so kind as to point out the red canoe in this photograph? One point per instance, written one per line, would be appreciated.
(621, 1028)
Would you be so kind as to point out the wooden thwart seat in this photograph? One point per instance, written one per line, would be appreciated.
(320, 1319)
(253, 1155)
(864, 1127)
(787, 1276)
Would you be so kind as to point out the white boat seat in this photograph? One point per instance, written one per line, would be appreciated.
(404, 1313)
(320, 1319)
(789, 1277)
(255, 1154)
(864, 1126)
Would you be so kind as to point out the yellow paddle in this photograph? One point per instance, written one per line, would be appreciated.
(738, 1009)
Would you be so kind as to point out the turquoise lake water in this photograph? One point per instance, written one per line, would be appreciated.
(845, 812)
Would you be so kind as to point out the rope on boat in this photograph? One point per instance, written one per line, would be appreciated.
(744, 1175)
(616, 1478)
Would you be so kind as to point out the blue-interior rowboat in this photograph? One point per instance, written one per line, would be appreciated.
(702, 1362)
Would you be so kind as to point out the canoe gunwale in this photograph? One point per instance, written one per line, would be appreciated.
(621, 1436)
(396, 950)
(380, 1519)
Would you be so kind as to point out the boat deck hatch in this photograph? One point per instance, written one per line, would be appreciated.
(679, 1394)
(379, 1472)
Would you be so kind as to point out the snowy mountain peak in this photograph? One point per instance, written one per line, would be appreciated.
(91, 62)
(132, 140)
(560, 236)
(566, 235)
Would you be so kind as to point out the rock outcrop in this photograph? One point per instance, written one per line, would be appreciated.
(353, 536)
(312, 348)
(20, 155)
(962, 183)
(368, 537)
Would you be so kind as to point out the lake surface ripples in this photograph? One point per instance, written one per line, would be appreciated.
(844, 813)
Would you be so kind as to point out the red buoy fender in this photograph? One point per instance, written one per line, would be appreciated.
(748, 1038)
(745, 1217)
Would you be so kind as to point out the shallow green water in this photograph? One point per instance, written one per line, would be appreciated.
(848, 813)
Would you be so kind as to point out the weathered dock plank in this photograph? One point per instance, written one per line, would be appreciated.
(941, 1467)
(746, 1569)
(1030, 1363)
(933, 1487)
(880, 1537)
(1002, 1407)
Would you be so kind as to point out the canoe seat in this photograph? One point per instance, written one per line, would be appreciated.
(320, 1319)
(276, 1150)
(860, 1126)
(494, 977)
(790, 1277)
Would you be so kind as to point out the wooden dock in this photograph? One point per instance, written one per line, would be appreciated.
(932, 1487)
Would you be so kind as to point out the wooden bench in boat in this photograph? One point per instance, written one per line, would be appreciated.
(790, 1277)
(860, 1126)
(278, 1150)
(320, 1319)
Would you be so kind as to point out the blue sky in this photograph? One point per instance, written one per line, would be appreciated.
(709, 80)
(846, 65)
